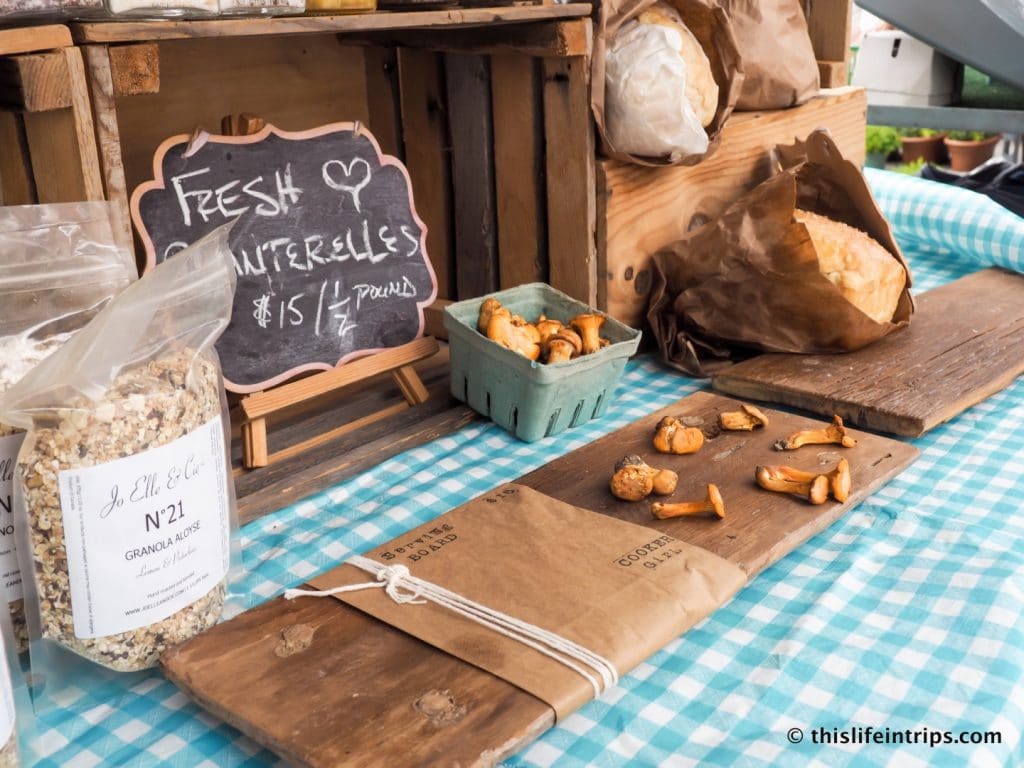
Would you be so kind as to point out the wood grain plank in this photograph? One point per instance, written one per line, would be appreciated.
(427, 156)
(108, 134)
(517, 99)
(17, 186)
(53, 150)
(36, 82)
(559, 38)
(85, 132)
(833, 74)
(138, 31)
(28, 39)
(645, 209)
(372, 705)
(571, 187)
(383, 99)
(964, 344)
(371, 710)
(830, 23)
(470, 126)
(434, 319)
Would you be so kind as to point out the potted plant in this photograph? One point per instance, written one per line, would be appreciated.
(880, 141)
(922, 144)
(969, 149)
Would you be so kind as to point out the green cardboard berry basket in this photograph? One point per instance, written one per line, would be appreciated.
(530, 399)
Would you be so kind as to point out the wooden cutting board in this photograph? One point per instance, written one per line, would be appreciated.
(362, 694)
(964, 343)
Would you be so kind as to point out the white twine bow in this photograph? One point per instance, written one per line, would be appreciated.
(404, 588)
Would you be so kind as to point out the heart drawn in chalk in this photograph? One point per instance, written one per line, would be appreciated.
(342, 179)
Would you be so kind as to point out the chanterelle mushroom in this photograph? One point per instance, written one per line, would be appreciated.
(713, 504)
(777, 479)
(744, 420)
(672, 436)
(486, 310)
(589, 329)
(547, 328)
(833, 433)
(563, 345)
(839, 479)
(503, 329)
(635, 480)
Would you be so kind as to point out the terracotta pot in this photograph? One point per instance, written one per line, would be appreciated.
(968, 155)
(927, 148)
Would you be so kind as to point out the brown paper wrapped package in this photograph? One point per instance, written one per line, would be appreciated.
(751, 279)
(779, 65)
(710, 25)
(618, 589)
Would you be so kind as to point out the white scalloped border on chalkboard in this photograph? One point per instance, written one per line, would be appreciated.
(193, 142)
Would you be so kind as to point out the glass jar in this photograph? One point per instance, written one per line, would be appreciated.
(29, 9)
(340, 6)
(150, 9)
(261, 7)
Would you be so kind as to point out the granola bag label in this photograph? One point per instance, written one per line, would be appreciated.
(146, 535)
(9, 571)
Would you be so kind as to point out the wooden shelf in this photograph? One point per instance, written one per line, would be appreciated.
(31, 39)
(137, 31)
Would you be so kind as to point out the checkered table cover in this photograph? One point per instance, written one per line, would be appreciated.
(907, 613)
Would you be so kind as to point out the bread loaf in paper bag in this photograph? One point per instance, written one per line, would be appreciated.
(660, 91)
(666, 77)
(805, 263)
(779, 64)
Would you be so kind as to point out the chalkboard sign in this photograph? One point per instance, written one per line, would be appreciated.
(329, 252)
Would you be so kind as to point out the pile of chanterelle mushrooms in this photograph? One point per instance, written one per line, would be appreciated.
(546, 340)
(635, 480)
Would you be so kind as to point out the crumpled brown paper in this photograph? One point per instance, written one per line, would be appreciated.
(779, 65)
(710, 25)
(749, 280)
(619, 589)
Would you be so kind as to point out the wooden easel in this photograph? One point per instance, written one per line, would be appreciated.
(256, 407)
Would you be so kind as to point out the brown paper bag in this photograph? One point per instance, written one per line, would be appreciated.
(779, 65)
(618, 589)
(749, 280)
(710, 25)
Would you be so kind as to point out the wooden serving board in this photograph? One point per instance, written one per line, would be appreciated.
(364, 694)
(964, 343)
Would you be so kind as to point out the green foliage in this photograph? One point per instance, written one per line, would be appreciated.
(912, 168)
(881, 140)
(969, 135)
(918, 133)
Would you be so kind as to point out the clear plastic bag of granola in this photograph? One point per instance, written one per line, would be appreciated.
(59, 264)
(124, 504)
(17, 720)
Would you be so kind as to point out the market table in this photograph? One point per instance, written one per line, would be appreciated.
(908, 614)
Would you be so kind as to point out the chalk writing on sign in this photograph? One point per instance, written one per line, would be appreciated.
(327, 247)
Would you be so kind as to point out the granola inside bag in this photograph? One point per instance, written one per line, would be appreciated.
(59, 264)
(123, 491)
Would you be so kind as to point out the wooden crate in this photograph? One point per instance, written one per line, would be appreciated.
(47, 142)
(488, 108)
(640, 209)
(830, 23)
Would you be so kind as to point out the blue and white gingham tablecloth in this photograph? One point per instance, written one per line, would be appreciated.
(906, 614)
